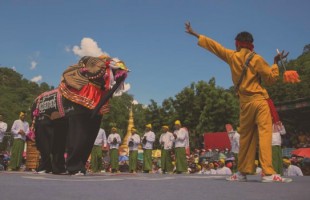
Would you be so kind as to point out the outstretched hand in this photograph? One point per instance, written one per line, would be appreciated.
(189, 30)
(280, 56)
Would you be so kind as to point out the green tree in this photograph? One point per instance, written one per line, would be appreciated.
(118, 114)
(17, 94)
(280, 91)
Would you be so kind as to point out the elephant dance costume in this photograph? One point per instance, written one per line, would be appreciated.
(65, 118)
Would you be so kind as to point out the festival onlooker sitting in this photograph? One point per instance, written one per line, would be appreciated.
(291, 170)
(222, 169)
(209, 153)
(222, 155)
(302, 139)
(229, 165)
(215, 155)
(212, 168)
(308, 139)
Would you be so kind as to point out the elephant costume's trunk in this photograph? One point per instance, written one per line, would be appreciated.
(106, 97)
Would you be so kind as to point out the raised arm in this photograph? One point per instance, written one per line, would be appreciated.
(189, 29)
(210, 44)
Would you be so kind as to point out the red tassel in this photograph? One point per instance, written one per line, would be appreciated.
(291, 76)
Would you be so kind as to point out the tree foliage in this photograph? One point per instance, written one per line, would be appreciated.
(17, 94)
(118, 115)
(281, 92)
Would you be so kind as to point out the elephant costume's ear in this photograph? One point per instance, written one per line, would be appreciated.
(91, 65)
(88, 68)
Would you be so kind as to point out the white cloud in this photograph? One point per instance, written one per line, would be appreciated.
(33, 65)
(68, 49)
(135, 102)
(37, 79)
(88, 47)
(125, 89)
(14, 68)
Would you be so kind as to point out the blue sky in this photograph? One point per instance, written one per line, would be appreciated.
(38, 37)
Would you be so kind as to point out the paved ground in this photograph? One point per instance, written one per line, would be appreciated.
(26, 185)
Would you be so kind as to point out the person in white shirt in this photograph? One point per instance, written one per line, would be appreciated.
(114, 140)
(222, 169)
(277, 130)
(206, 168)
(3, 128)
(291, 170)
(147, 144)
(133, 144)
(96, 153)
(211, 169)
(166, 141)
(20, 129)
(180, 134)
(235, 144)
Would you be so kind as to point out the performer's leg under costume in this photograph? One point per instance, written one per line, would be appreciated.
(59, 145)
(83, 131)
(44, 137)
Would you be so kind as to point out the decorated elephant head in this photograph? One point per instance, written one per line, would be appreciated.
(93, 81)
(103, 70)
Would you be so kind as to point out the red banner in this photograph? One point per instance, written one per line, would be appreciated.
(218, 140)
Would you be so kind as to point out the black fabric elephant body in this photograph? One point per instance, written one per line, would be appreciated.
(68, 119)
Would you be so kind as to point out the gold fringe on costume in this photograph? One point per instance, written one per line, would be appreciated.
(32, 156)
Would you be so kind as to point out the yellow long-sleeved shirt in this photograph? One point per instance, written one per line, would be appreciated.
(250, 87)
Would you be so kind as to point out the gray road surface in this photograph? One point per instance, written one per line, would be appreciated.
(26, 185)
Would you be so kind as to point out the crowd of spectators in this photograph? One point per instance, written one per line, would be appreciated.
(200, 161)
(296, 140)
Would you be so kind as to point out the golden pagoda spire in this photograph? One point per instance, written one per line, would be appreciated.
(124, 146)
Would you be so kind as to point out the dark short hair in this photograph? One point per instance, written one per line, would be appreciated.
(244, 37)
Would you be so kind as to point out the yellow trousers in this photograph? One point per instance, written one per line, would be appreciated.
(255, 130)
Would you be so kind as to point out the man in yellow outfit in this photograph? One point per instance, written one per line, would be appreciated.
(255, 116)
